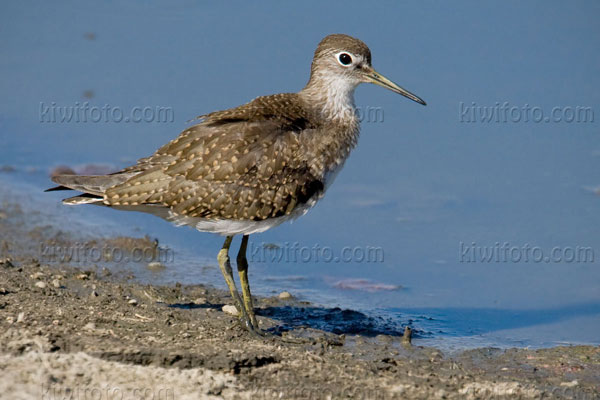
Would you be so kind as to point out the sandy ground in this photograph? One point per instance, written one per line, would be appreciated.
(71, 332)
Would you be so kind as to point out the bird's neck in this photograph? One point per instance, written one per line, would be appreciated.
(332, 96)
(333, 99)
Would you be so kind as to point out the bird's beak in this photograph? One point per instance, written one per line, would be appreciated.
(372, 76)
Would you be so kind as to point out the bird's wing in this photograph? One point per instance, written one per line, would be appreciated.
(237, 164)
(283, 110)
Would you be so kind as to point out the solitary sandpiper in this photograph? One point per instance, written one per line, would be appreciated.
(250, 168)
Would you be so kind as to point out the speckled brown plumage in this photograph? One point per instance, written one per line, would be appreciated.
(257, 161)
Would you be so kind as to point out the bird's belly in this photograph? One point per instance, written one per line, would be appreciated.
(229, 227)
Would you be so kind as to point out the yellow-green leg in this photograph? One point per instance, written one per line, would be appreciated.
(242, 265)
(225, 266)
(246, 310)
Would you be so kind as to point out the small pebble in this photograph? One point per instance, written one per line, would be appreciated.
(82, 277)
(569, 384)
(407, 336)
(56, 283)
(90, 326)
(200, 300)
(21, 317)
(155, 266)
(285, 295)
(40, 284)
(133, 302)
(229, 309)
(94, 294)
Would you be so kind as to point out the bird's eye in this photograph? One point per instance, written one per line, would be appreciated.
(345, 59)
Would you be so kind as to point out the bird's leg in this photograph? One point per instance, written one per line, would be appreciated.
(246, 310)
(225, 266)
(242, 265)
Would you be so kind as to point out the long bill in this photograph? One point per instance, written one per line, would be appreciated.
(375, 77)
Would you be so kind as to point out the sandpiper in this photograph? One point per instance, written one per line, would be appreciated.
(250, 168)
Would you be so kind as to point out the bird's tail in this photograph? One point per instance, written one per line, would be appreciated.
(92, 186)
(83, 199)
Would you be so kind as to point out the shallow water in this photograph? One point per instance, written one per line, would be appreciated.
(428, 194)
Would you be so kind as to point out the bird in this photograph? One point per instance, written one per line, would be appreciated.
(250, 168)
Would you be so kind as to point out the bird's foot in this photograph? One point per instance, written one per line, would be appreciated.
(254, 330)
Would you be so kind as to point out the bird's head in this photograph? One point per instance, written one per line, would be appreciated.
(343, 62)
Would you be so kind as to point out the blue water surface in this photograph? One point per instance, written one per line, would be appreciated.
(432, 189)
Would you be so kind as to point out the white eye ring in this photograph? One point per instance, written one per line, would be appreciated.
(345, 59)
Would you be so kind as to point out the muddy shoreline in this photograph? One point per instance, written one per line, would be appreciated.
(86, 332)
